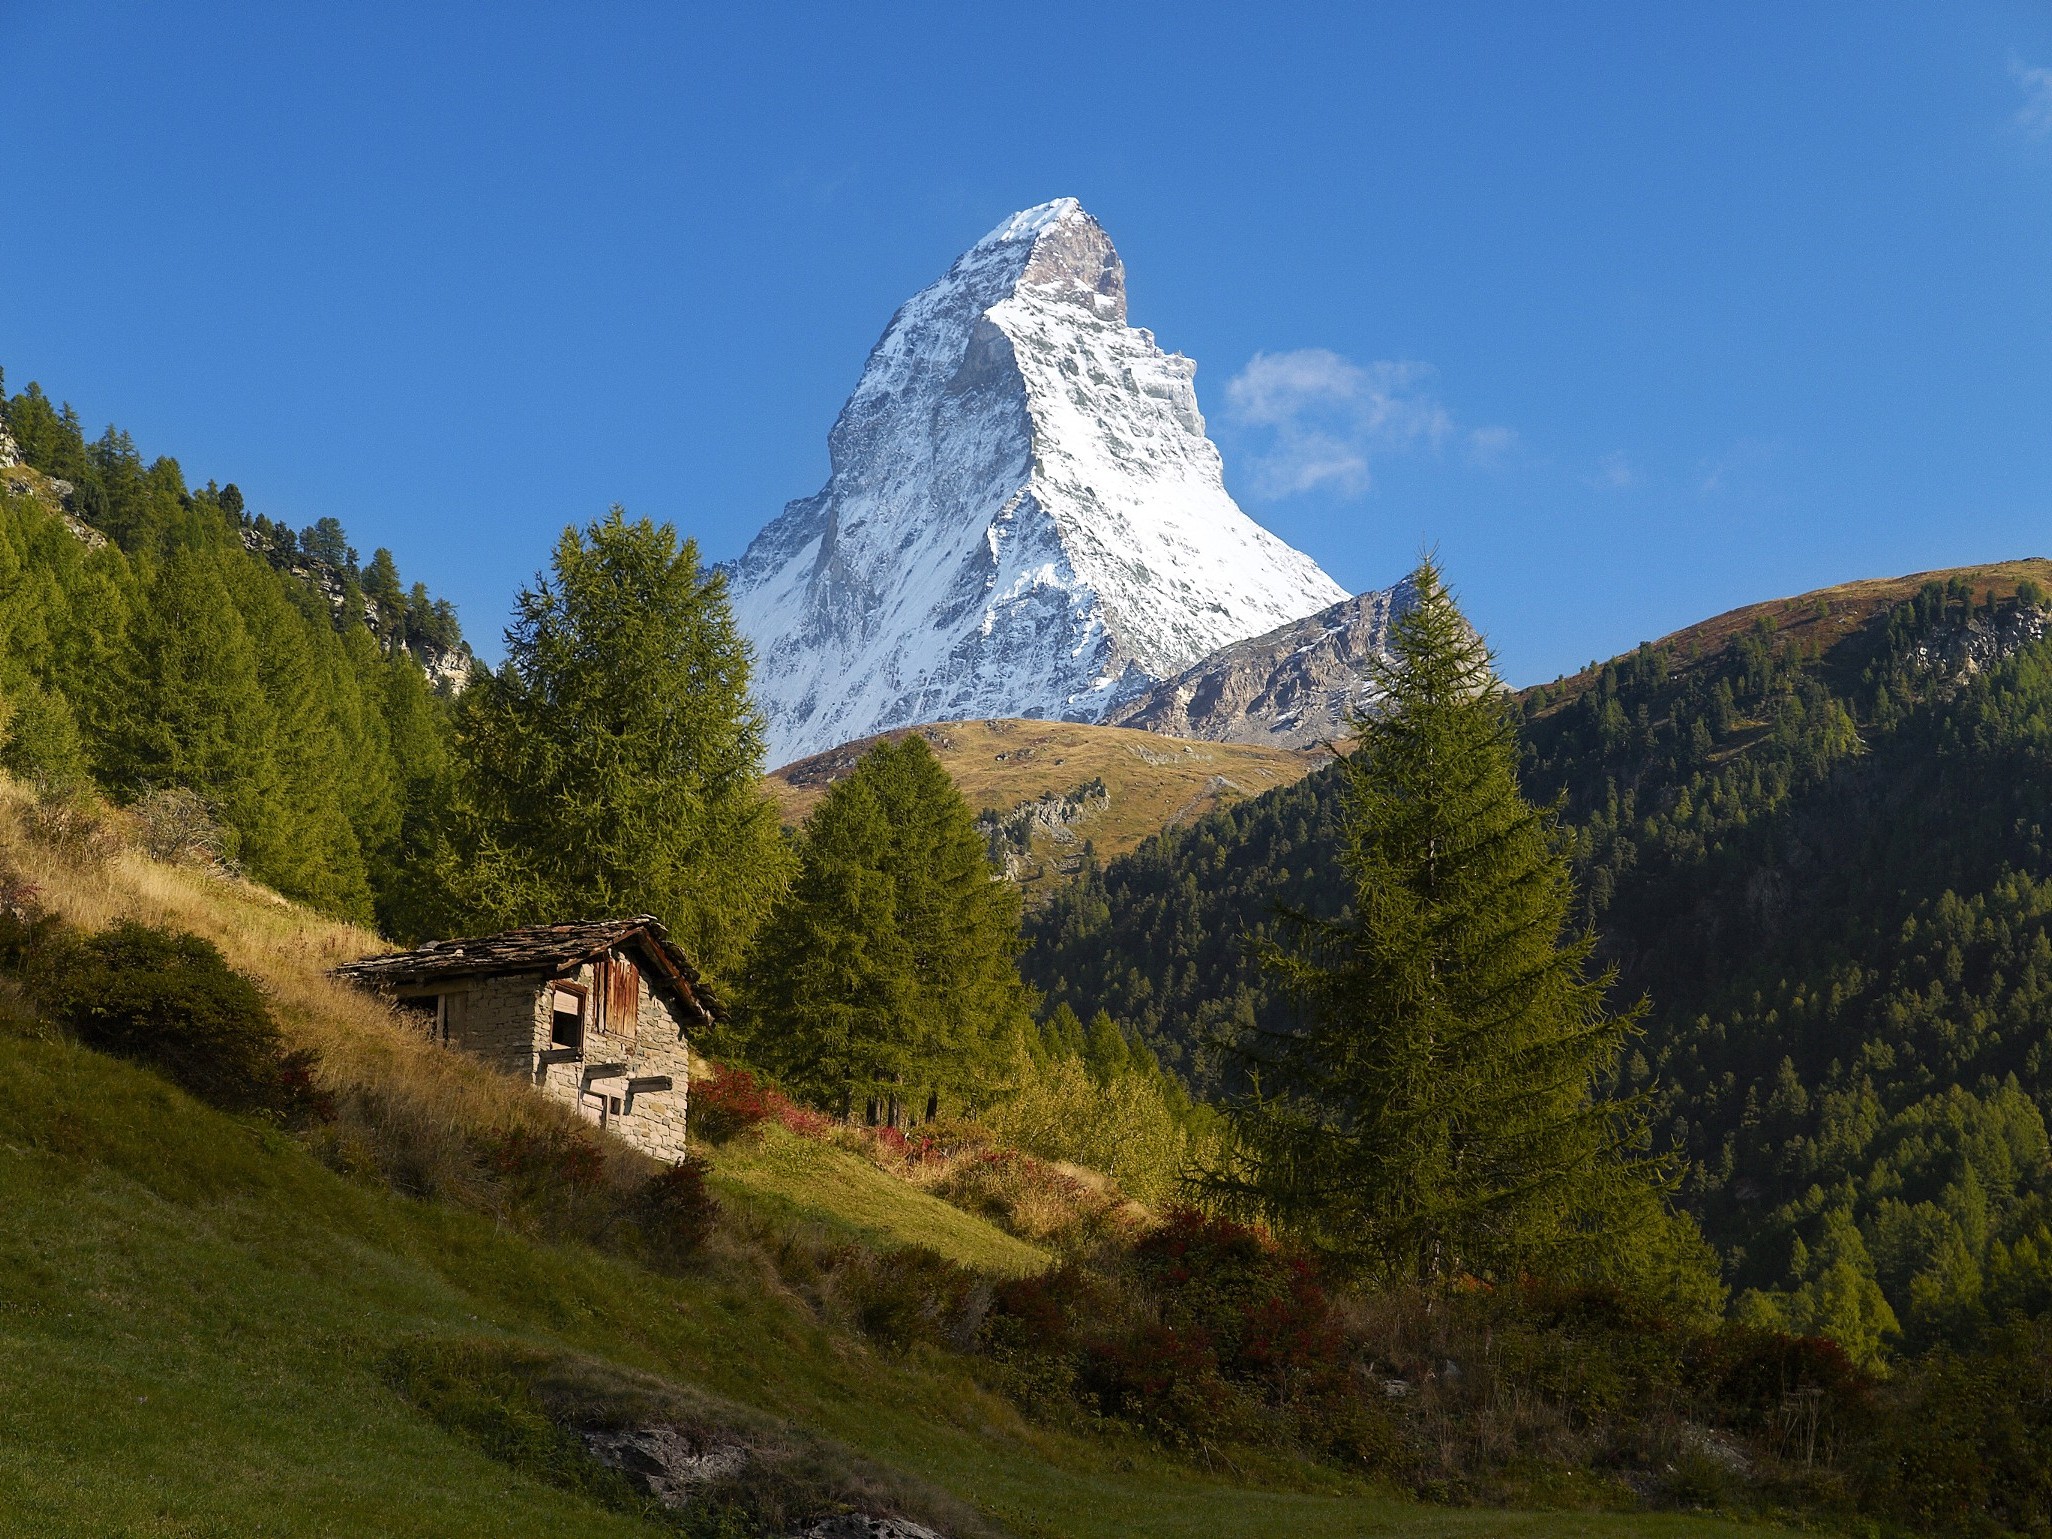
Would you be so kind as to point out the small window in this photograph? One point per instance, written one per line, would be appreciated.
(567, 1029)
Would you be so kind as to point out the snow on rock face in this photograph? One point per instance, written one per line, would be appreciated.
(1025, 517)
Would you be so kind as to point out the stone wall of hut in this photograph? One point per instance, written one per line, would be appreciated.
(631, 1037)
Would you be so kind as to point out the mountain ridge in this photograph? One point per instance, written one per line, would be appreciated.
(1297, 686)
(1054, 795)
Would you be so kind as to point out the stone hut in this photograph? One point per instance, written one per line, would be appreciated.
(594, 1014)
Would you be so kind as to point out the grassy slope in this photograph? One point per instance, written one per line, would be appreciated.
(194, 1311)
(810, 1181)
(1153, 781)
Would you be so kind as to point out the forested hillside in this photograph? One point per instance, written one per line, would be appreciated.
(1815, 836)
(250, 689)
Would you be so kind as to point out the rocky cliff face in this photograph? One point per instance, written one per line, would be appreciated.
(1296, 687)
(1025, 517)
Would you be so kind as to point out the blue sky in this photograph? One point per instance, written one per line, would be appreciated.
(1635, 312)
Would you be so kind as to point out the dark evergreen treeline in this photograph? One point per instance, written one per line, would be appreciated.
(1827, 867)
(199, 647)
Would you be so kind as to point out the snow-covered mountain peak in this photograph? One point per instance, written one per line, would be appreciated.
(1029, 222)
(1024, 517)
(1059, 252)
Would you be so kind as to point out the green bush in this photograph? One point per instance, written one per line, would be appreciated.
(1967, 1445)
(912, 1294)
(170, 1000)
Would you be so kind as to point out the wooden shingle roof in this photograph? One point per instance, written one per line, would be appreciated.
(542, 949)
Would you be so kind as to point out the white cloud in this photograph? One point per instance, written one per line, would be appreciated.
(1324, 419)
(2034, 117)
(1614, 473)
(1488, 445)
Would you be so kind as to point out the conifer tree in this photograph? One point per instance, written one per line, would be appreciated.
(830, 992)
(382, 587)
(170, 656)
(41, 741)
(1106, 1051)
(1061, 1034)
(198, 714)
(888, 972)
(1439, 1109)
(613, 764)
(410, 900)
(308, 846)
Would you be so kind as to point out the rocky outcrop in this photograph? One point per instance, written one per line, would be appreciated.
(1298, 686)
(448, 668)
(676, 1467)
(53, 492)
(1024, 518)
(864, 1525)
(1058, 816)
(1961, 649)
(667, 1463)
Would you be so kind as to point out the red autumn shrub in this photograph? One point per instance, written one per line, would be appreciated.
(1289, 1336)
(1160, 1377)
(1801, 1392)
(1262, 1309)
(1035, 1314)
(924, 1145)
(732, 1101)
(298, 1088)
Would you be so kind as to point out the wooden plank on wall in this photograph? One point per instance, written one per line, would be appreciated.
(621, 980)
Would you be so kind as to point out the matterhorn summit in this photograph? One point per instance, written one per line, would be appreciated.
(1025, 517)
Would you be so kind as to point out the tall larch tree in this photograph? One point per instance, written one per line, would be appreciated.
(613, 764)
(198, 714)
(1440, 1108)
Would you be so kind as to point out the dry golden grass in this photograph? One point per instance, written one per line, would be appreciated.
(1050, 1204)
(365, 1048)
(1153, 781)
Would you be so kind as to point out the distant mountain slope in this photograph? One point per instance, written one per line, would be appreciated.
(1024, 518)
(1297, 686)
(1816, 832)
(1050, 790)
